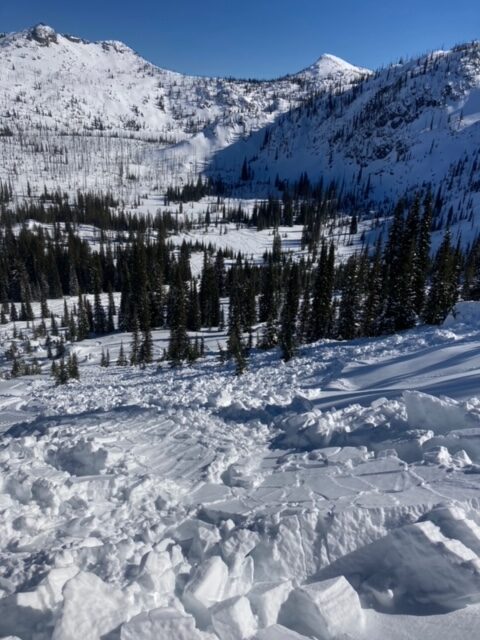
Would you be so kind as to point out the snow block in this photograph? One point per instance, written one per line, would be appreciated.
(464, 312)
(205, 589)
(156, 573)
(240, 579)
(239, 542)
(233, 619)
(323, 609)
(160, 624)
(267, 599)
(441, 415)
(91, 609)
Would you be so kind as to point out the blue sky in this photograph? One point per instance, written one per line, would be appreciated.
(257, 38)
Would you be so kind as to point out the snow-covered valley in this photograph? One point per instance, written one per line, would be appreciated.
(214, 424)
(191, 503)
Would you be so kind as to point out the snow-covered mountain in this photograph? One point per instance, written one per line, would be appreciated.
(407, 125)
(95, 114)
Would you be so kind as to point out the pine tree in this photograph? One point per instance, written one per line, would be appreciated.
(146, 347)
(178, 347)
(349, 304)
(83, 323)
(443, 291)
(122, 359)
(99, 316)
(423, 255)
(135, 343)
(72, 367)
(105, 358)
(62, 372)
(111, 312)
(289, 314)
(321, 306)
(44, 310)
(193, 317)
(373, 305)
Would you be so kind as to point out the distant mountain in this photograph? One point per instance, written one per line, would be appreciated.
(408, 126)
(96, 115)
(82, 114)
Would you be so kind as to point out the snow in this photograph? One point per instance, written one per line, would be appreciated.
(343, 485)
(267, 600)
(324, 609)
(206, 588)
(233, 619)
(97, 116)
(160, 624)
(91, 609)
(405, 127)
(336, 496)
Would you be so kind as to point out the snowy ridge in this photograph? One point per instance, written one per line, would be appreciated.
(98, 115)
(405, 127)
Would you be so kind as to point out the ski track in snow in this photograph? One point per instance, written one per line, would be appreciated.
(195, 493)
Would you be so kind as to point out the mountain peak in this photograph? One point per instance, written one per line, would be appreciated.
(43, 34)
(329, 65)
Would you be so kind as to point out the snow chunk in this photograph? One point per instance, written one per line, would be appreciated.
(91, 609)
(267, 599)
(423, 562)
(324, 609)
(156, 573)
(233, 619)
(442, 415)
(206, 588)
(240, 579)
(160, 624)
(465, 312)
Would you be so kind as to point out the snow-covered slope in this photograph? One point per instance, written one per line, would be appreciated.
(193, 504)
(405, 126)
(78, 113)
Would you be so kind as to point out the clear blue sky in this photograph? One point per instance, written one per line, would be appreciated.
(256, 38)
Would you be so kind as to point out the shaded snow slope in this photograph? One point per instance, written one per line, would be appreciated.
(193, 504)
(402, 128)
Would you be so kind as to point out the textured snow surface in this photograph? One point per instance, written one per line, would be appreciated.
(337, 496)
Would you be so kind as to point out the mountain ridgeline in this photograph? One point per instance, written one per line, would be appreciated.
(98, 116)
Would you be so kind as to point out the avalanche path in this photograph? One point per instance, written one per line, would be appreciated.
(336, 496)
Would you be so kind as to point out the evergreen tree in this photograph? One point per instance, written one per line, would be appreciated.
(193, 318)
(289, 314)
(178, 347)
(321, 307)
(443, 291)
(135, 344)
(72, 367)
(349, 303)
(122, 359)
(423, 255)
(146, 347)
(99, 316)
(105, 358)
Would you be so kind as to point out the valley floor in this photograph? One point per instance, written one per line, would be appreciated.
(336, 494)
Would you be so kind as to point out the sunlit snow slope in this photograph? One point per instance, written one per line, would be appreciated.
(193, 504)
(80, 114)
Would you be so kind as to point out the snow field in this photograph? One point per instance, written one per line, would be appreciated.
(193, 504)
